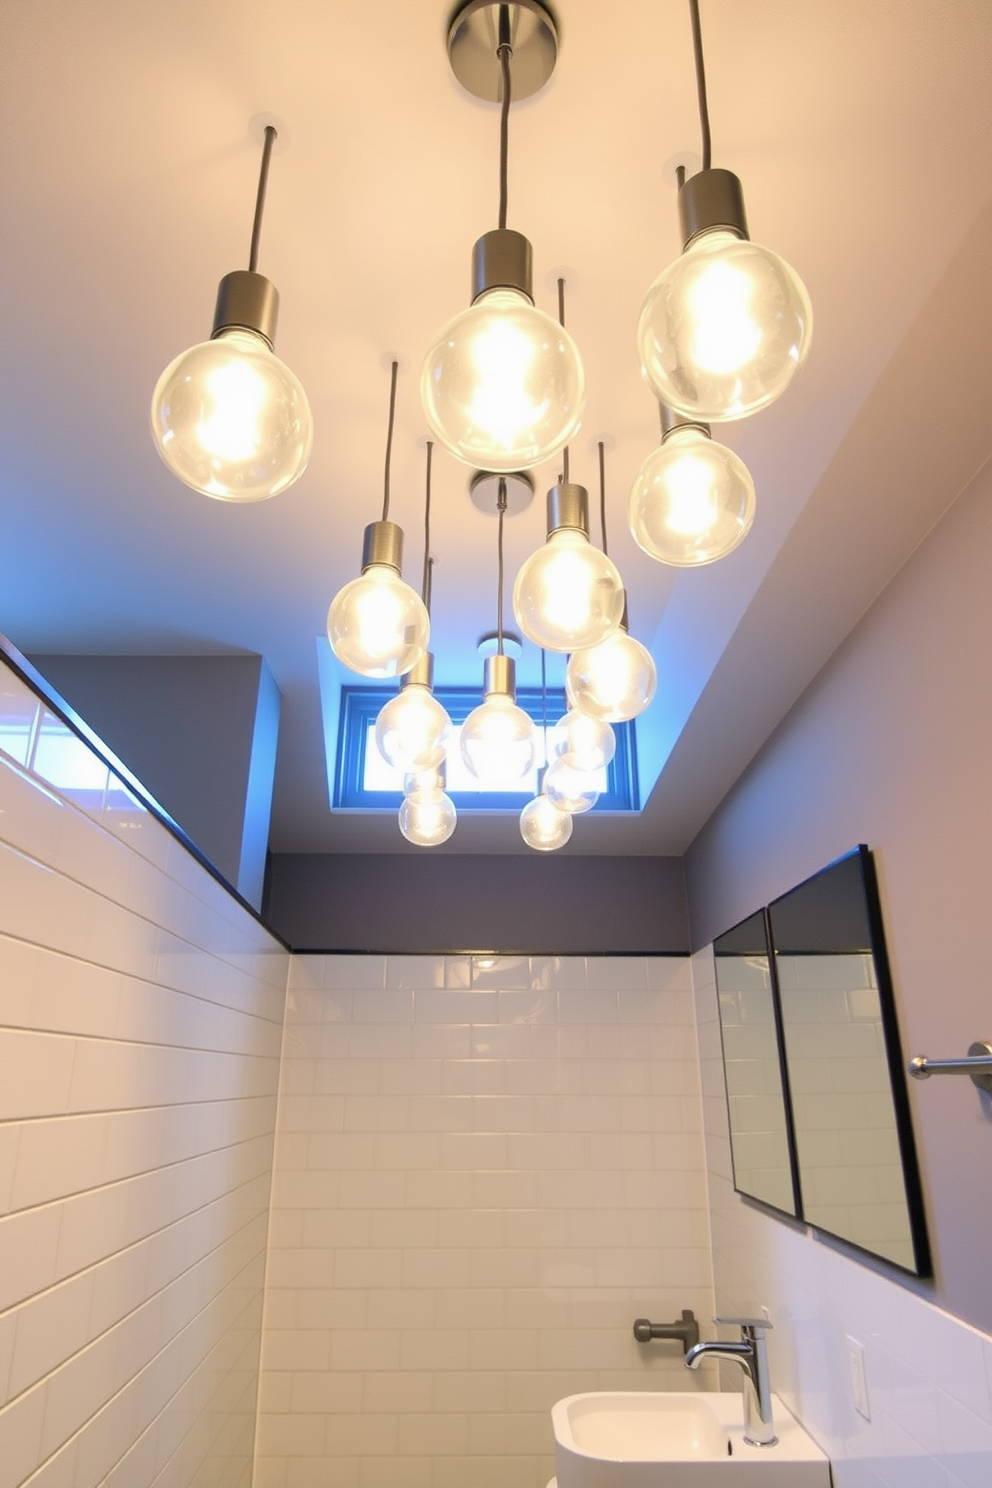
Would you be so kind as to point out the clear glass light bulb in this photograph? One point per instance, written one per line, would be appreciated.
(724, 329)
(231, 420)
(428, 821)
(377, 625)
(613, 681)
(421, 784)
(574, 791)
(544, 826)
(498, 741)
(412, 729)
(568, 594)
(585, 743)
(692, 501)
(503, 386)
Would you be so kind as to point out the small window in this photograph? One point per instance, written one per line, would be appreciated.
(365, 782)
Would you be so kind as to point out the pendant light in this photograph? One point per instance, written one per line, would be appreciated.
(412, 729)
(228, 417)
(543, 825)
(427, 816)
(726, 327)
(571, 790)
(693, 499)
(497, 738)
(568, 594)
(615, 680)
(587, 744)
(377, 625)
(503, 386)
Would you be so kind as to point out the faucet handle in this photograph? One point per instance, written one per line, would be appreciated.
(745, 1322)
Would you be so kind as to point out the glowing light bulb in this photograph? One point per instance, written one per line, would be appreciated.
(613, 681)
(502, 386)
(423, 783)
(412, 729)
(377, 625)
(544, 826)
(724, 329)
(587, 744)
(568, 594)
(231, 420)
(427, 821)
(693, 500)
(571, 790)
(498, 739)
(497, 742)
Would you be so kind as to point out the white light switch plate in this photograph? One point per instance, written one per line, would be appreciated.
(859, 1382)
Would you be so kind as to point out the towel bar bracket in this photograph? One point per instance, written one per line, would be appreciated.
(978, 1065)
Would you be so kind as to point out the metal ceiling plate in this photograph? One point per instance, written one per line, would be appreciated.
(472, 40)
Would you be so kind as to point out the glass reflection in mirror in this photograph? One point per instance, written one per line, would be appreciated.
(752, 1065)
(854, 1149)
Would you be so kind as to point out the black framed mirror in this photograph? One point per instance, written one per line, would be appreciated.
(760, 1139)
(819, 954)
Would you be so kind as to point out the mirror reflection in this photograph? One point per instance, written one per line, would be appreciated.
(819, 1116)
(829, 966)
(753, 1067)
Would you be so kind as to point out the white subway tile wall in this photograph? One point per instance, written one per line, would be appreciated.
(486, 1168)
(928, 1376)
(140, 1028)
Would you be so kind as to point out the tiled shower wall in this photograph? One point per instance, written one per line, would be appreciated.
(140, 1025)
(486, 1168)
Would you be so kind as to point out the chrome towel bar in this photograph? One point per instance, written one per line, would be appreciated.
(978, 1065)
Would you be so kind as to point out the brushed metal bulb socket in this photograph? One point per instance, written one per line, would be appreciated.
(709, 200)
(247, 301)
(383, 543)
(670, 421)
(421, 675)
(499, 674)
(568, 506)
(502, 259)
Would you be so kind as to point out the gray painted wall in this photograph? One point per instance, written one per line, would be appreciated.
(199, 732)
(540, 905)
(891, 745)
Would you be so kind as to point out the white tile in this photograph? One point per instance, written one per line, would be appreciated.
(594, 1006)
(554, 972)
(414, 973)
(613, 973)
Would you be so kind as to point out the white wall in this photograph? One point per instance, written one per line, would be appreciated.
(929, 1376)
(890, 746)
(140, 1025)
(486, 1168)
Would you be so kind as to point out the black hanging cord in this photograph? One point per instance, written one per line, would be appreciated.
(428, 560)
(501, 509)
(561, 322)
(602, 493)
(544, 702)
(389, 439)
(263, 181)
(504, 52)
(704, 113)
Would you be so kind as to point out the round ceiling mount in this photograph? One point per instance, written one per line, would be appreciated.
(484, 491)
(473, 37)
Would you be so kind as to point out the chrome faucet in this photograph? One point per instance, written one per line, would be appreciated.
(752, 1355)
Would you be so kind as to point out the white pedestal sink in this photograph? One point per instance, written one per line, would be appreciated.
(676, 1439)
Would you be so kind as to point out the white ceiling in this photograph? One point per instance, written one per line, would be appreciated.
(862, 136)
